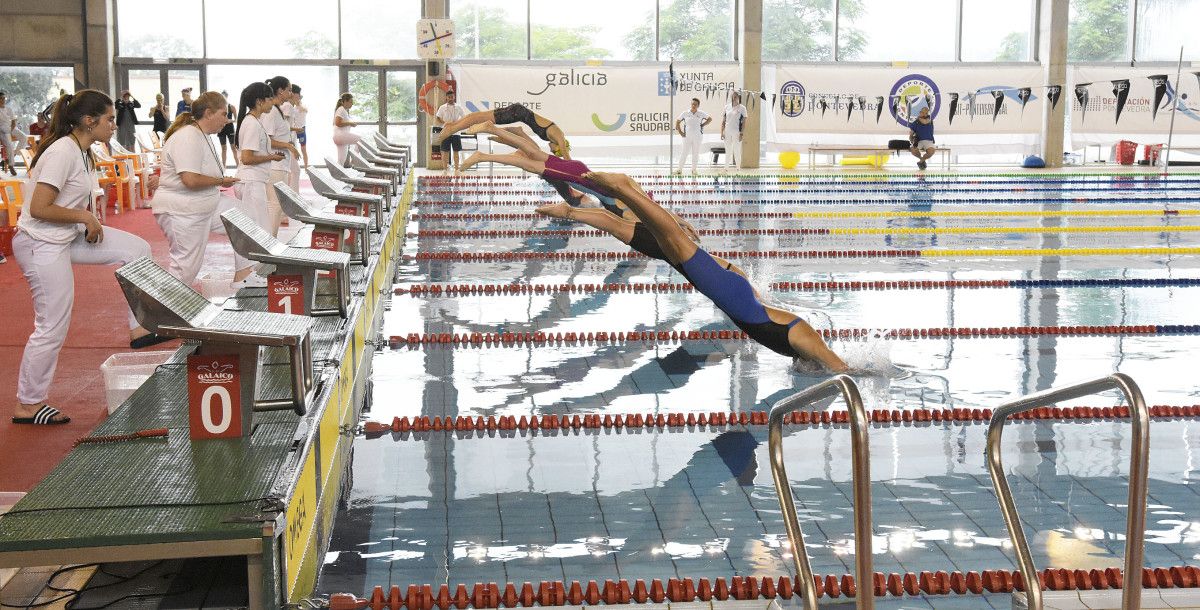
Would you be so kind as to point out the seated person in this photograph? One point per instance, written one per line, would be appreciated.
(921, 135)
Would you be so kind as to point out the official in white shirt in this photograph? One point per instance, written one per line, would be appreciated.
(449, 113)
(731, 129)
(299, 121)
(254, 168)
(8, 129)
(59, 229)
(279, 129)
(343, 127)
(690, 124)
(188, 200)
(289, 109)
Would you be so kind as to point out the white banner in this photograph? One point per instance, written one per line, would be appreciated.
(861, 100)
(597, 100)
(1144, 98)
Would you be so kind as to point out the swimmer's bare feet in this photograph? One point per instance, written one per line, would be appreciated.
(556, 210)
(474, 159)
(477, 128)
(608, 180)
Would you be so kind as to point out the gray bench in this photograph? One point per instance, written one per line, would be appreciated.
(360, 163)
(387, 145)
(329, 188)
(386, 155)
(360, 180)
(297, 208)
(167, 306)
(255, 243)
(374, 158)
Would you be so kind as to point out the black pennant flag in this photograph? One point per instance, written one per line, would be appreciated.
(823, 105)
(971, 105)
(878, 108)
(849, 107)
(862, 107)
(1081, 96)
(1053, 92)
(1160, 91)
(894, 100)
(1121, 90)
(773, 98)
(1023, 94)
(953, 106)
(997, 104)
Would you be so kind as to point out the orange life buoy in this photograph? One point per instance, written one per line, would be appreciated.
(425, 89)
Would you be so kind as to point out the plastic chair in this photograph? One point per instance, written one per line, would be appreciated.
(126, 180)
(11, 200)
(27, 158)
(140, 167)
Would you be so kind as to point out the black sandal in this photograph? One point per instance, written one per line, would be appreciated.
(147, 340)
(45, 416)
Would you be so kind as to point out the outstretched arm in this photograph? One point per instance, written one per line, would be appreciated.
(670, 236)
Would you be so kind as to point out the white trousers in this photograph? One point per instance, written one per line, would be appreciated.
(187, 235)
(47, 268)
(691, 146)
(10, 147)
(252, 200)
(274, 213)
(733, 148)
(294, 173)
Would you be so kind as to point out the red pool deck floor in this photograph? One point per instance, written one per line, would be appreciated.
(98, 330)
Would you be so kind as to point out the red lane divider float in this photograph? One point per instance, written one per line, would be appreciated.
(532, 216)
(631, 255)
(637, 421)
(528, 202)
(540, 338)
(418, 290)
(485, 233)
(685, 590)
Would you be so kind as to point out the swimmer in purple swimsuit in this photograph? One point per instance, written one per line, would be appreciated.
(777, 330)
(507, 115)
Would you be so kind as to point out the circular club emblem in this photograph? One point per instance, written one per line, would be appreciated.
(791, 98)
(910, 94)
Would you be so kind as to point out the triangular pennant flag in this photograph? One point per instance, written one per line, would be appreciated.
(823, 105)
(1160, 91)
(1121, 90)
(849, 107)
(997, 103)
(862, 108)
(971, 105)
(1081, 96)
(1053, 92)
(894, 101)
(878, 108)
(773, 98)
(1023, 94)
(953, 106)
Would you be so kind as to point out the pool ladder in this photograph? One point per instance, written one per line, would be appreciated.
(861, 477)
(861, 468)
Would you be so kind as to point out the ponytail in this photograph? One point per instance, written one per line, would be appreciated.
(342, 99)
(251, 95)
(209, 100)
(68, 113)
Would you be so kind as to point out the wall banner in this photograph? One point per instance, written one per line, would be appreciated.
(597, 100)
(834, 99)
(1133, 103)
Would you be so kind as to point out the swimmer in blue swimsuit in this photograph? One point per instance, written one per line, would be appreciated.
(775, 329)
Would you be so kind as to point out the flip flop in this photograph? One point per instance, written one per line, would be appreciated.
(148, 340)
(45, 416)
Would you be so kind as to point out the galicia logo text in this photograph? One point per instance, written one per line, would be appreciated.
(572, 78)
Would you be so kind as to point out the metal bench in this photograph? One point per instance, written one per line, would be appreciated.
(297, 208)
(385, 154)
(360, 163)
(365, 203)
(372, 156)
(255, 243)
(360, 180)
(167, 306)
(385, 144)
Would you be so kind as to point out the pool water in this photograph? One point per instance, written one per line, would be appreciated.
(698, 502)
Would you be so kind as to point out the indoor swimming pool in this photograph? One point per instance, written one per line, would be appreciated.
(947, 294)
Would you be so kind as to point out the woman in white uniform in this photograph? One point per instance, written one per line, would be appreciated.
(58, 230)
(343, 128)
(188, 198)
(279, 129)
(254, 167)
(299, 121)
(731, 129)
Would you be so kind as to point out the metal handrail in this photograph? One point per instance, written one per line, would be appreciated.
(1135, 526)
(861, 464)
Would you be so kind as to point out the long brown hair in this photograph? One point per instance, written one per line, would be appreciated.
(209, 100)
(68, 113)
(342, 100)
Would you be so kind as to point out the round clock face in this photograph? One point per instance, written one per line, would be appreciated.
(435, 38)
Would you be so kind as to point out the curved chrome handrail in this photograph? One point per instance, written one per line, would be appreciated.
(1135, 526)
(861, 465)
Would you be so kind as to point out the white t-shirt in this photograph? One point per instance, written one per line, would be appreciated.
(188, 150)
(693, 122)
(62, 166)
(733, 116)
(253, 136)
(299, 117)
(279, 128)
(449, 113)
(6, 119)
(345, 116)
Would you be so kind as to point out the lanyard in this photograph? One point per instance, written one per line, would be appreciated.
(212, 150)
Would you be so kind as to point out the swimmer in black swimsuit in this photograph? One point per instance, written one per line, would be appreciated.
(778, 330)
(515, 113)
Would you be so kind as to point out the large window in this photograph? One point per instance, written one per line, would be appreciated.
(379, 29)
(1099, 30)
(996, 31)
(557, 30)
(299, 29)
(490, 29)
(695, 30)
(886, 30)
(149, 28)
(1163, 26)
(31, 89)
(802, 30)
